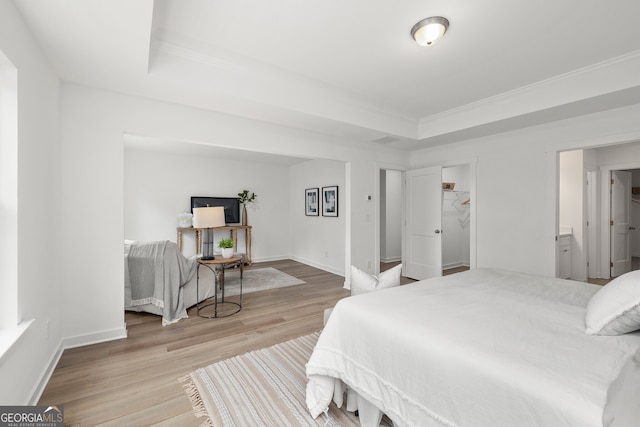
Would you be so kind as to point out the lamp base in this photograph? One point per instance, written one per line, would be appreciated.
(207, 258)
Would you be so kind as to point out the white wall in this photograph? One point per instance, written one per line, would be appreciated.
(158, 187)
(516, 181)
(24, 369)
(390, 215)
(71, 201)
(93, 123)
(317, 240)
(74, 279)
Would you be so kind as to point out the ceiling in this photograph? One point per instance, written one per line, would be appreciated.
(350, 69)
(195, 150)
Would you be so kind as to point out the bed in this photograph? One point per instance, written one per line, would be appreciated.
(483, 348)
(160, 280)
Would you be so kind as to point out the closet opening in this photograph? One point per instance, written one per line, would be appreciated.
(390, 218)
(456, 219)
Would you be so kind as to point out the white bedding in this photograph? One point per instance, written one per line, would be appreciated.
(480, 348)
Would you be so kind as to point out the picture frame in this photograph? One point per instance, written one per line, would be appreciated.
(330, 201)
(312, 201)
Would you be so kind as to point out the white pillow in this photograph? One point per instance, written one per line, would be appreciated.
(362, 282)
(615, 309)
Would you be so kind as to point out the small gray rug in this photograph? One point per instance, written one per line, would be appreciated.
(257, 279)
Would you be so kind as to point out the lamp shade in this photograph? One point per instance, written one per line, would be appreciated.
(208, 217)
(428, 31)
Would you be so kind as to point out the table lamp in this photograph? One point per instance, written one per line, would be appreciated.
(208, 218)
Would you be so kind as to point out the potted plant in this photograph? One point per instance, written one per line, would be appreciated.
(245, 197)
(226, 246)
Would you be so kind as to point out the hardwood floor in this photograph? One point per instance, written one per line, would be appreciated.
(454, 270)
(635, 265)
(134, 381)
(384, 266)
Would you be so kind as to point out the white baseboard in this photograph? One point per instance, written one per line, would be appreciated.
(270, 258)
(120, 333)
(67, 343)
(302, 260)
(456, 265)
(317, 265)
(45, 377)
(95, 338)
(307, 262)
(392, 259)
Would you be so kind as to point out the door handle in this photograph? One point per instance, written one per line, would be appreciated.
(632, 228)
(436, 231)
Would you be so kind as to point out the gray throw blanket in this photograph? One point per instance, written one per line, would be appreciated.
(157, 272)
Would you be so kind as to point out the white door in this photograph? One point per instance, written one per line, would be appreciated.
(423, 223)
(620, 206)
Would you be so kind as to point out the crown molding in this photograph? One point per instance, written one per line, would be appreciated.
(273, 87)
(616, 74)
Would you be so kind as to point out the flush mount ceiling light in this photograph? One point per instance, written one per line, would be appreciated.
(428, 31)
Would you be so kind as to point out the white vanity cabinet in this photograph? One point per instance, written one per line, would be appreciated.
(565, 256)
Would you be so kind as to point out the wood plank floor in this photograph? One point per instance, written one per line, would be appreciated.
(384, 266)
(134, 381)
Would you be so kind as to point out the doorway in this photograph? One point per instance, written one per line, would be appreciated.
(439, 220)
(635, 220)
(391, 185)
(456, 218)
(620, 210)
(600, 249)
(620, 217)
(624, 202)
(390, 217)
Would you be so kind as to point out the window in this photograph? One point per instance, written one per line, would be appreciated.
(8, 194)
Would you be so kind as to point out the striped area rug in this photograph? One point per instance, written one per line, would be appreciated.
(265, 387)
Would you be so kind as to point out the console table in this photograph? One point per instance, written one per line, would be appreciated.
(233, 235)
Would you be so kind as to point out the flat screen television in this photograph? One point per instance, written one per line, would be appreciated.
(230, 204)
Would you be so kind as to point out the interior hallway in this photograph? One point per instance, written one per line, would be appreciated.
(404, 280)
(635, 265)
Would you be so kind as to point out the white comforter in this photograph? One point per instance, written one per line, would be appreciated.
(481, 348)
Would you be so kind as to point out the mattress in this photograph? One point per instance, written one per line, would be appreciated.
(480, 348)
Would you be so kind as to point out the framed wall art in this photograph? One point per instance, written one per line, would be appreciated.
(311, 202)
(330, 201)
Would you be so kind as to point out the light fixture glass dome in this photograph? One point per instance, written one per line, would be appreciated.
(428, 31)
